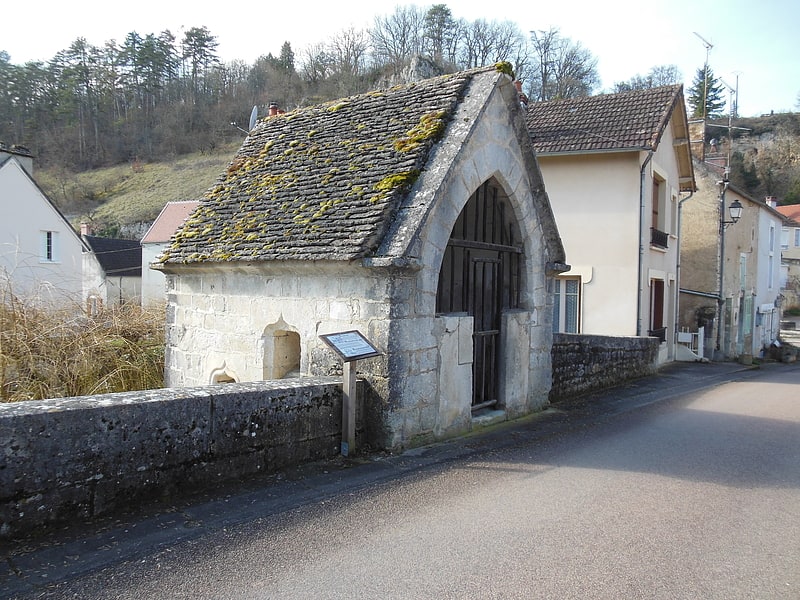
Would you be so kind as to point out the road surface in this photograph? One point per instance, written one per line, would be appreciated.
(666, 494)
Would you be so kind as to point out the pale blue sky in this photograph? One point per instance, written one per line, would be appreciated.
(758, 43)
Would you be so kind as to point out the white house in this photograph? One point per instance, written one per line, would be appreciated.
(416, 216)
(41, 255)
(615, 166)
(154, 242)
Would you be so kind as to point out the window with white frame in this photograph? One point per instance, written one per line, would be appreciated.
(49, 246)
(797, 237)
(785, 238)
(567, 301)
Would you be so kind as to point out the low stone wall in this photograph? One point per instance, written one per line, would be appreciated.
(584, 363)
(77, 458)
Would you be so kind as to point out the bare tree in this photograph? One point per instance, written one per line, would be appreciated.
(348, 49)
(562, 68)
(399, 36)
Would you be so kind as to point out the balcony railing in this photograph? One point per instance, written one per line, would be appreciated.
(659, 239)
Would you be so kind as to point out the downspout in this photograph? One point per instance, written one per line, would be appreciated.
(641, 245)
(678, 266)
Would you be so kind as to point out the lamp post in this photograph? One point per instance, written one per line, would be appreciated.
(735, 211)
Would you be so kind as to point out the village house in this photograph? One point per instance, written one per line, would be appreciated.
(112, 271)
(154, 242)
(615, 166)
(790, 254)
(41, 255)
(737, 300)
(416, 216)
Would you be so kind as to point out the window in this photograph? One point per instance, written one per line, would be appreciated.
(566, 309)
(785, 238)
(49, 250)
(797, 237)
(657, 325)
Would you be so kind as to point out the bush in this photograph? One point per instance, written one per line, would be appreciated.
(52, 353)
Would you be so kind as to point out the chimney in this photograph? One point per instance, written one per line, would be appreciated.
(523, 99)
(772, 201)
(273, 109)
(86, 228)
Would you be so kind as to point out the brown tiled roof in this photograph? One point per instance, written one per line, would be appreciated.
(792, 211)
(321, 182)
(624, 121)
(169, 219)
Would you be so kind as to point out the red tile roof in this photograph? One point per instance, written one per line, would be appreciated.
(171, 217)
(790, 210)
(624, 121)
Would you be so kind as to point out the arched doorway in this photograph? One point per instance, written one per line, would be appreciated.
(480, 276)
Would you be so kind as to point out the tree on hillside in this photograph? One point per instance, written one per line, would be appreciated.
(440, 34)
(199, 54)
(561, 68)
(656, 77)
(706, 87)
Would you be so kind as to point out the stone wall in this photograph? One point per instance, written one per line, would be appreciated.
(584, 363)
(77, 458)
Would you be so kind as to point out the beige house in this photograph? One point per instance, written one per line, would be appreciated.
(41, 255)
(416, 216)
(615, 166)
(737, 300)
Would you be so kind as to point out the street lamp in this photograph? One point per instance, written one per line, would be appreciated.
(735, 211)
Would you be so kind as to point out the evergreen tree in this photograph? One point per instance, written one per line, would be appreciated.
(705, 85)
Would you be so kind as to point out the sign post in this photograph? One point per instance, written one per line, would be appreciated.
(351, 346)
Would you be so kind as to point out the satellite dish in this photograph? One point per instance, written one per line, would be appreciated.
(253, 117)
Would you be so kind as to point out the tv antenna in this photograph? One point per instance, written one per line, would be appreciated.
(708, 46)
(253, 119)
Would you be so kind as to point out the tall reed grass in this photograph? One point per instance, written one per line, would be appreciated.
(47, 352)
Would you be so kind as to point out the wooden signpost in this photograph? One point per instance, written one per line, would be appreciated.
(351, 346)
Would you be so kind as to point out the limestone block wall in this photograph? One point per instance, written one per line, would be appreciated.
(226, 322)
(583, 363)
(78, 458)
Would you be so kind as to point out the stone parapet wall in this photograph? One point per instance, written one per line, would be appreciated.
(584, 363)
(78, 458)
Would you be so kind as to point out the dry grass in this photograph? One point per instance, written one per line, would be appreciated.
(133, 193)
(52, 353)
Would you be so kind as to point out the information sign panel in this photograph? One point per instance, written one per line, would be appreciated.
(350, 345)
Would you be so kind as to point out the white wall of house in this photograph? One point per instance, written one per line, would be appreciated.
(597, 201)
(768, 284)
(39, 250)
(154, 285)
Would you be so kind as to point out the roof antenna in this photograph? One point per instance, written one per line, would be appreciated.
(253, 119)
(708, 46)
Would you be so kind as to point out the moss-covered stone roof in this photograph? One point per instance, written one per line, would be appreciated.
(321, 182)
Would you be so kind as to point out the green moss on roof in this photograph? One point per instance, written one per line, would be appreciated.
(321, 182)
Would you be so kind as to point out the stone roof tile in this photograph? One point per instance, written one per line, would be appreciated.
(321, 182)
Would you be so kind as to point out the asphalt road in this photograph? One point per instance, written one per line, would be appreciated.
(684, 485)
